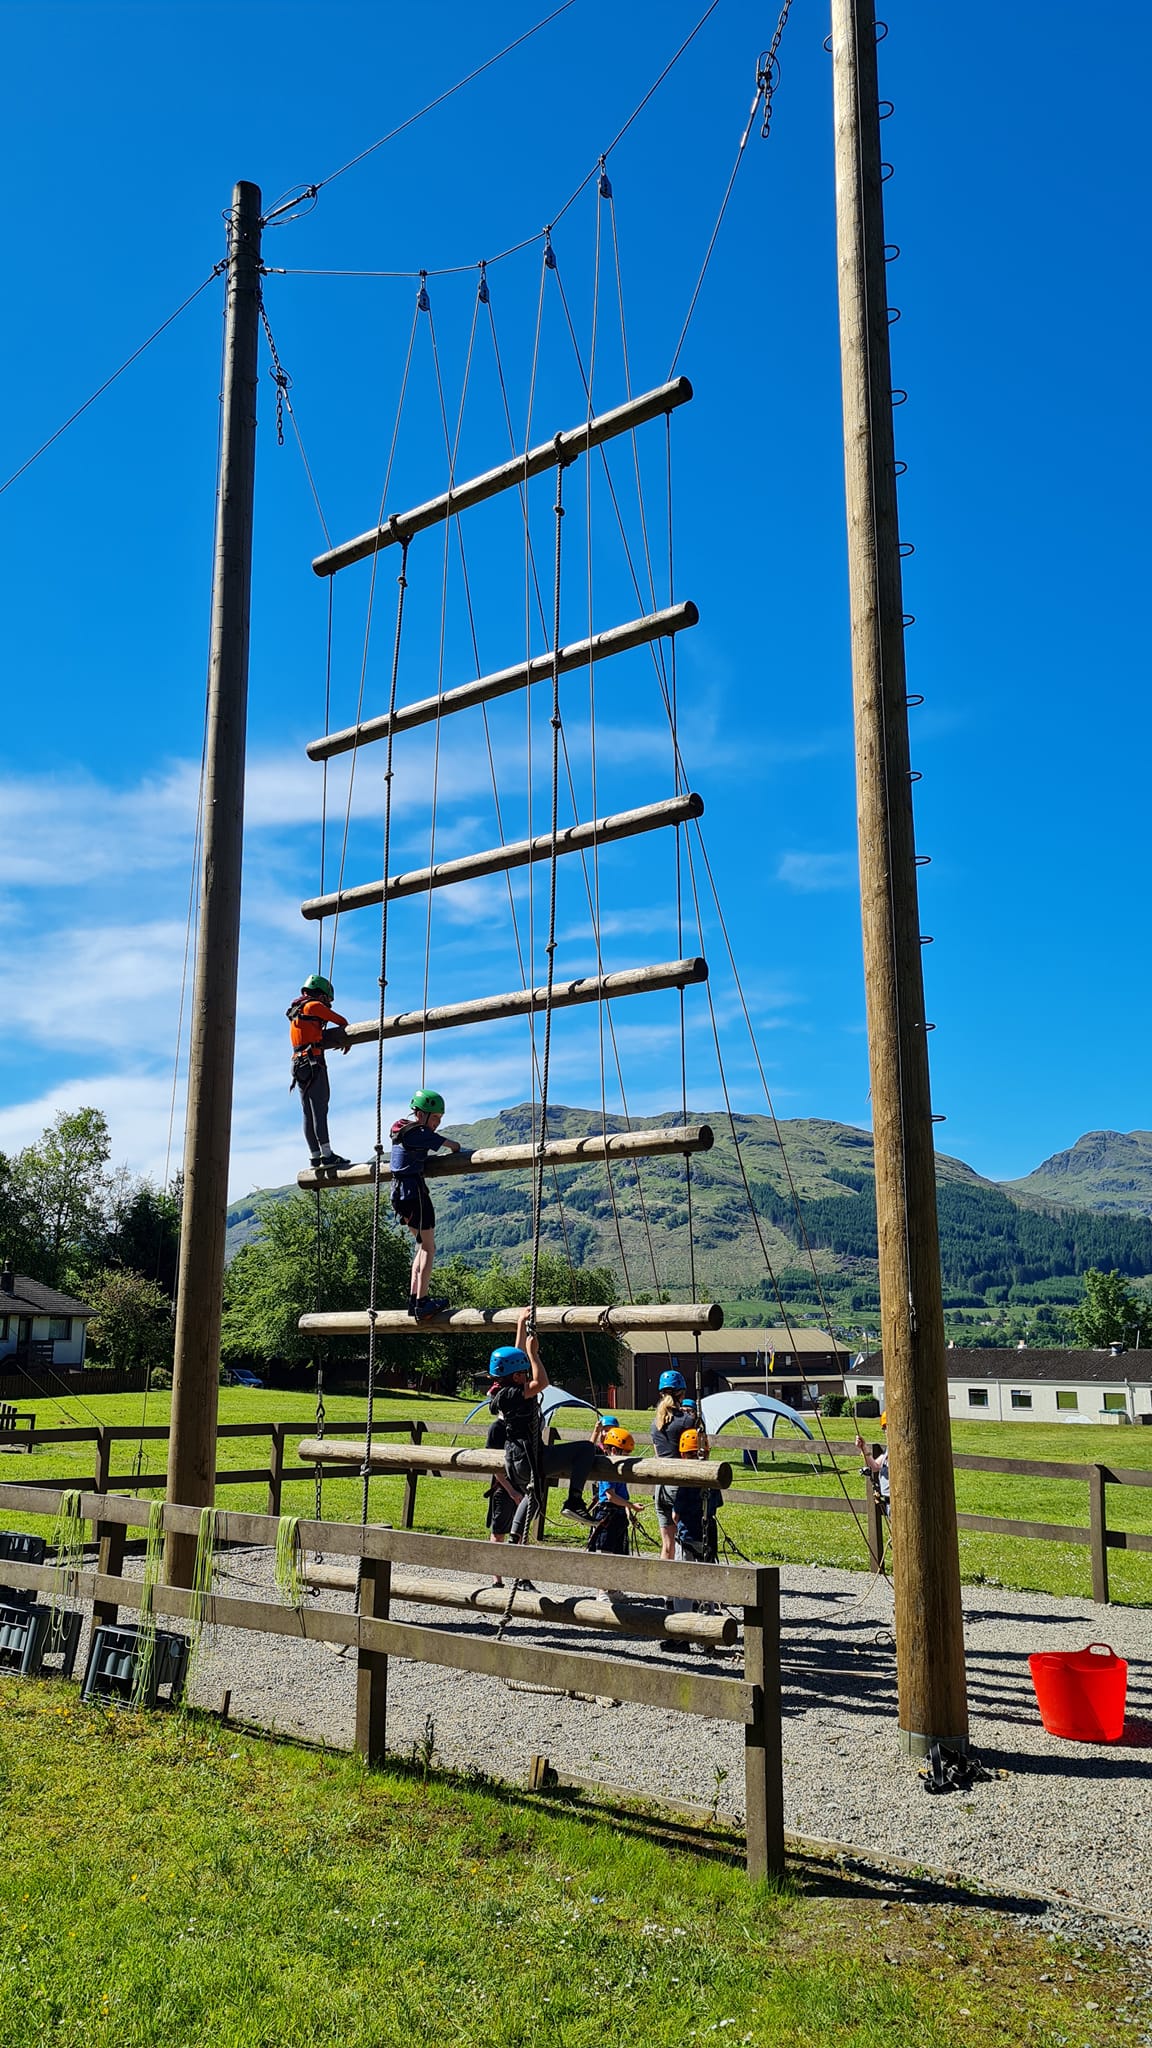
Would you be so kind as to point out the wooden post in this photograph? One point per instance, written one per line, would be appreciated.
(926, 1567)
(103, 1457)
(1098, 1525)
(276, 1466)
(372, 1665)
(110, 1540)
(196, 1365)
(763, 1757)
(411, 1481)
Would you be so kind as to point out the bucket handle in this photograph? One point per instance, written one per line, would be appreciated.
(1106, 1647)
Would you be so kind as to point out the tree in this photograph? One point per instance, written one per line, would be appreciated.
(65, 1185)
(144, 1228)
(132, 1320)
(1111, 1313)
(570, 1359)
(272, 1282)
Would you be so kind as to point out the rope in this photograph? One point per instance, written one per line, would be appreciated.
(550, 949)
(378, 1149)
(368, 632)
(216, 271)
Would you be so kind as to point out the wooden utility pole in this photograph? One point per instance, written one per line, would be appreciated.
(925, 1558)
(195, 1378)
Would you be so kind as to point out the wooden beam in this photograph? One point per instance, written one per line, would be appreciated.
(557, 1152)
(331, 1450)
(502, 682)
(728, 1585)
(527, 1002)
(396, 1322)
(563, 448)
(619, 1618)
(496, 860)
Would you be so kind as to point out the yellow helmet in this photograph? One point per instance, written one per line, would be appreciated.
(689, 1443)
(884, 1420)
(618, 1439)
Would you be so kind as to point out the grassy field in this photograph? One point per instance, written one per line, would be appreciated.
(168, 1883)
(771, 1536)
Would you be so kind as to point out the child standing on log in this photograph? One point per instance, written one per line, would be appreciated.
(316, 1028)
(518, 1380)
(613, 1510)
(413, 1138)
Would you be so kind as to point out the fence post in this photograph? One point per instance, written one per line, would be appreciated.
(408, 1509)
(1098, 1528)
(276, 1466)
(874, 1517)
(110, 1539)
(372, 1665)
(103, 1457)
(763, 1759)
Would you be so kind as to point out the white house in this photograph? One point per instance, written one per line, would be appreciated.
(32, 1317)
(1036, 1386)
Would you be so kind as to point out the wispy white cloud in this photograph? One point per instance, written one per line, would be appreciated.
(814, 872)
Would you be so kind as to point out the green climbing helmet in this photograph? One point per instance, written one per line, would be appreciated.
(427, 1099)
(319, 985)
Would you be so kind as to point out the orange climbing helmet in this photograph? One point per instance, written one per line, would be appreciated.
(619, 1440)
(689, 1443)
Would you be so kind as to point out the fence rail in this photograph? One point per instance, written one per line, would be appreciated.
(1095, 1534)
(752, 1701)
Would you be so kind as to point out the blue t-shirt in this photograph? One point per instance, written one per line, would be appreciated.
(411, 1144)
(606, 1486)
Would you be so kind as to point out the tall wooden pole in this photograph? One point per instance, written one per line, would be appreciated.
(195, 1378)
(925, 1560)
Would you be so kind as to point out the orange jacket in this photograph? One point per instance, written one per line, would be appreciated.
(306, 1022)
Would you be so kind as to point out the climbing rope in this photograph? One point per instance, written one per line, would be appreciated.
(550, 948)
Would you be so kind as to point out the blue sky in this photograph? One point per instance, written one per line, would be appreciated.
(1023, 287)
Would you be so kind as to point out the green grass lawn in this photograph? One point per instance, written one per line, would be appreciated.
(169, 1883)
(456, 1507)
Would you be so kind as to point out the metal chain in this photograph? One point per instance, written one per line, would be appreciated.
(768, 68)
(278, 373)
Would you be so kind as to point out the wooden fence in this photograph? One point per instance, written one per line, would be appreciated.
(751, 1701)
(1095, 1533)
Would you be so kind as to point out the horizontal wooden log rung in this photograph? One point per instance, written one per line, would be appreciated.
(434, 1458)
(563, 448)
(528, 1002)
(727, 1585)
(519, 853)
(719, 1699)
(569, 1610)
(594, 1150)
(505, 681)
(396, 1322)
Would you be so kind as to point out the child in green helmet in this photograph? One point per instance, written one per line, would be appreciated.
(413, 1138)
(316, 1028)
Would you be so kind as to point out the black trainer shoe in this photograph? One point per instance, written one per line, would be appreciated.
(334, 1162)
(426, 1308)
(577, 1512)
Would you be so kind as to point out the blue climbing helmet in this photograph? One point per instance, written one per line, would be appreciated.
(609, 1422)
(672, 1383)
(507, 1361)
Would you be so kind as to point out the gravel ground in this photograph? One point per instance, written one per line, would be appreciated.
(1071, 1822)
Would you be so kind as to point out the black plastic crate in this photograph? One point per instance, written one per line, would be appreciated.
(31, 1635)
(114, 1662)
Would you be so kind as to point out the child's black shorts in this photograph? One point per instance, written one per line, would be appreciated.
(413, 1204)
(501, 1508)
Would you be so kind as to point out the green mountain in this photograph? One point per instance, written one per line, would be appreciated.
(813, 1203)
(1109, 1171)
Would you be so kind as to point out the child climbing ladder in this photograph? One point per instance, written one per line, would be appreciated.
(316, 1028)
(413, 1138)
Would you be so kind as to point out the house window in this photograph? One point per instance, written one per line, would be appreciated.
(977, 1397)
(59, 1329)
(1021, 1398)
(868, 1392)
(1115, 1404)
(3, 1329)
(1066, 1400)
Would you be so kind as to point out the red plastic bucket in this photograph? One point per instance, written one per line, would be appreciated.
(1081, 1693)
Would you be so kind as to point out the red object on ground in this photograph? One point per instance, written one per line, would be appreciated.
(1081, 1694)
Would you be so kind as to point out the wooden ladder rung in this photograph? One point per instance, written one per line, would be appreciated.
(645, 1469)
(495, 860)
(400, 526)
(396, 1322)
(557, 1152)
(525, 1002)
(502, 682)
